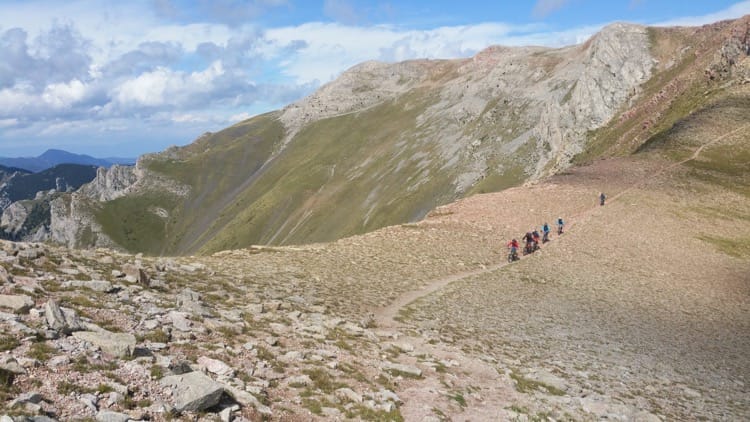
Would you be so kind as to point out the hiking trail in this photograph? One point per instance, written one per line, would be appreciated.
(384, 317)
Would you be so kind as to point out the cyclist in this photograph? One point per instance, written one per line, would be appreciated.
(545, 233)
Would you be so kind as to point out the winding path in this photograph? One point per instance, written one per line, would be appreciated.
(384, 317)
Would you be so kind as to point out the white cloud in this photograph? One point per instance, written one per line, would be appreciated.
(164, 86)
(64, 94)
(331, 48)
(239, 117)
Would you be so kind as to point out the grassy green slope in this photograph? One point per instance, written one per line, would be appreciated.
(340, 176)
(215, 168)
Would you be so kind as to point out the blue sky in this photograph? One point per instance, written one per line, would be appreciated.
(115, 78)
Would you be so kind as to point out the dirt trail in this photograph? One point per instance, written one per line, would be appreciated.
(385, 316)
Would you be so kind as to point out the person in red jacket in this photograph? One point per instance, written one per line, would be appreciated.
(513, 246)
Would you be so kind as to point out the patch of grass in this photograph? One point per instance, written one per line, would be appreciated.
(82, 364)
(458, 398)
(41, 351)
(157, 372)
(78, 301)
(366, 414)
(385, 382)
(67, 387)
(8, 343)
(738, 248)
(227, 331)
(526, 385)
(156, 336)
(322, 380)
(314, 406)
(518, 409)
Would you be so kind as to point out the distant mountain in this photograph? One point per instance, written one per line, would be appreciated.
(53, 157)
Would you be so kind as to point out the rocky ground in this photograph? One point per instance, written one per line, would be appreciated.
(629, 315)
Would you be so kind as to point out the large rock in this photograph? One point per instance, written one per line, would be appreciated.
(101, 286)
(193, 391)
(401, 368)
(10, 364)
(136, 274)
(116, 344)
(19, 304)
(60, 319)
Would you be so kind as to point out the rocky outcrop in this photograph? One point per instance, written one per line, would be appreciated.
(14, 217)
(110, 183)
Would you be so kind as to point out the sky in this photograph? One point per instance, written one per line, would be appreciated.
(122, 78)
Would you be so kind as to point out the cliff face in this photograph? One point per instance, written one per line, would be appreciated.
(386, 143)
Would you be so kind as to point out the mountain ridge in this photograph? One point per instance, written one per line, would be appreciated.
(52, 157)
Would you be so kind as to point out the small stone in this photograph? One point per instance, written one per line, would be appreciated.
(89, 400)
(59, 360)
(226, 415)
(215, 366)
(300, 380)
(347, 394)
(406, 369)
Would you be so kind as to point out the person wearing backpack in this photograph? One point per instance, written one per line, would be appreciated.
(560, 225)
(545, 233)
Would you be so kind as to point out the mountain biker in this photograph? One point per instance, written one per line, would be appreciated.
(535, 235)
(513, 245)
(545, 232)
(602, 197)
(529, 239)
(560, 225)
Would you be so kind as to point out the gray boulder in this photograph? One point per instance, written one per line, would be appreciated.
(59, 319)
(193, 392)
(95, 285)
(116, 344)
(136, 273)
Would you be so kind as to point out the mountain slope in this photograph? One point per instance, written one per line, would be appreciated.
(386, 143)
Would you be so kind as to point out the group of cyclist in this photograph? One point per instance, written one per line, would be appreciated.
(533, 239)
